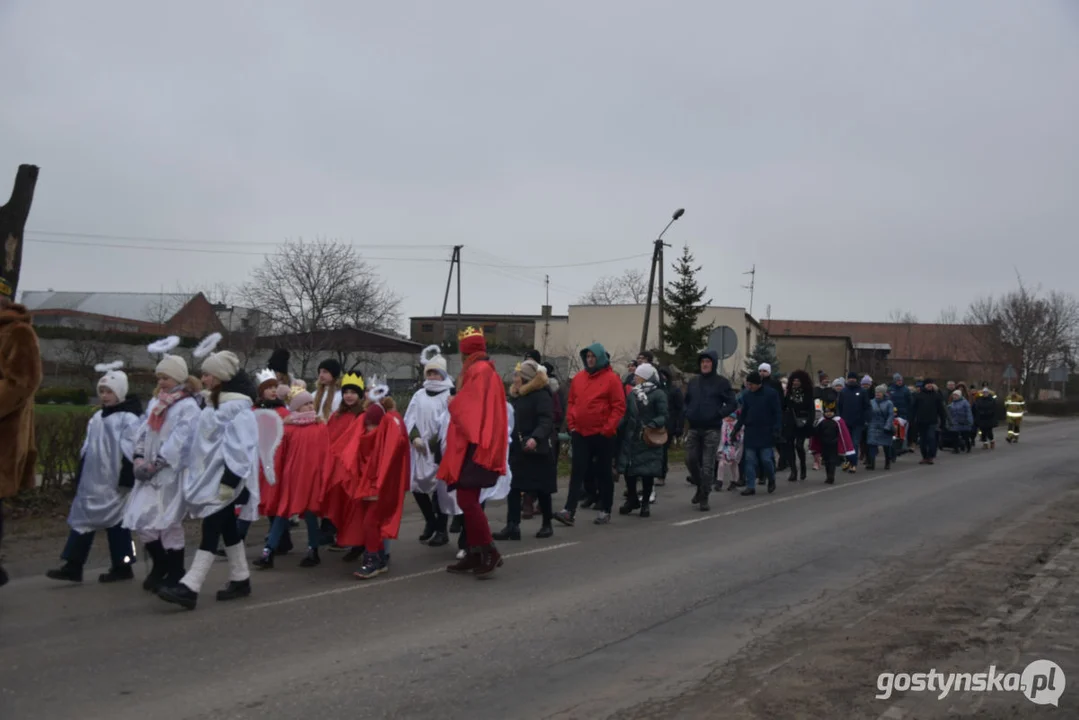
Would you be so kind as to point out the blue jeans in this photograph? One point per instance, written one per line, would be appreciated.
(280, 525)
(857, 436)
(928, 435)
(121, 549)
(758, 458)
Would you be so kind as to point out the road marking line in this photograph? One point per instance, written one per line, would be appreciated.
(360, 585)
(788, 498)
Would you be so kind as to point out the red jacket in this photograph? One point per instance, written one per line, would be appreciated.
(597, 403)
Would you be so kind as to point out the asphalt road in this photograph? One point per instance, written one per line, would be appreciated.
(595, 621)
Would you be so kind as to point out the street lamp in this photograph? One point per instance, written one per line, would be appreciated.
(657, 260)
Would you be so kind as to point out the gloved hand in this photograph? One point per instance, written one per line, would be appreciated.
(225, 494)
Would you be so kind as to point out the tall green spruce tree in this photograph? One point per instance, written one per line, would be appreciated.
(683, 304)
(764, 352)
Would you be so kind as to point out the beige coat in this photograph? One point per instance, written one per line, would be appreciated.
(20, 376)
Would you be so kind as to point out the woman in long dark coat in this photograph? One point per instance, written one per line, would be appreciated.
(532, 449)
(798, 416)
(638, 461)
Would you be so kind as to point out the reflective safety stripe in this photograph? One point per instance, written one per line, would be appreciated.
(1015, 415)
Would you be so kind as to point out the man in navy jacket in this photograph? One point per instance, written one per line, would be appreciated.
(854, 408)
(762, 419)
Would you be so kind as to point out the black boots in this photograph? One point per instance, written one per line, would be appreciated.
(545, 532)
(159, 570)
(265, 561)
(174, 565)
(69, 572)
(234, 590)
(512, 531)
(117, 574)
(181, 595)
(631, 504)
(311, 559)
(887, 462)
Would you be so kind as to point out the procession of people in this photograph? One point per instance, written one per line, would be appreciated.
(225, 448)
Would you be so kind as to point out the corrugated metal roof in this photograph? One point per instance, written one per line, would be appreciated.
(142, 307)
(872, 346)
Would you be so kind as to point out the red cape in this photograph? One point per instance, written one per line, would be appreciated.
(304, 466)
(477, 417)
(351, 450)
(268, 492)
(387, 475)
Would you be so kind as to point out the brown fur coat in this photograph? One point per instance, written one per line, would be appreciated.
(20, 376)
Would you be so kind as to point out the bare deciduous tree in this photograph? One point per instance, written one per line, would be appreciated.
(306, 290)
(629, 287)
(1041, 329)
(902, 317)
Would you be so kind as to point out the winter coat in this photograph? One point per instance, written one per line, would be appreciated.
(798, 406)
(961, 416)
(985, 411)
(709, 398)
(928, 409)
(676, 411)
(902, 398)
(762, 419)
(534, 471)
(635, 457)
(558, 405)
(597, 401)
(881, 422)
(853, 406)
(20, 376)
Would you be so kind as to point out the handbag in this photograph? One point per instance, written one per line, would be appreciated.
(654, 437)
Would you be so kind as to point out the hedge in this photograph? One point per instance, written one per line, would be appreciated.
(1055, 408)
(59, 442)
(62, 396)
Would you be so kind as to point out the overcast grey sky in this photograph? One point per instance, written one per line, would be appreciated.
(865, 155)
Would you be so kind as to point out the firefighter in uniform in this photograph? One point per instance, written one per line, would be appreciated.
(1016, 407)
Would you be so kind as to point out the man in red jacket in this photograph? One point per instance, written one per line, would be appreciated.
(596, 405)
(477, 444)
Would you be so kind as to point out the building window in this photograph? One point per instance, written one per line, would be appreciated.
(427, 327)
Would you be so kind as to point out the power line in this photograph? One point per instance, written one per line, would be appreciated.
(203, 251)
(567, 265)
(186, 241)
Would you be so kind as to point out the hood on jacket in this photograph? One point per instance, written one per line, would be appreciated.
(130, 404)
(538, 382)
(603, 360)
(713, 356)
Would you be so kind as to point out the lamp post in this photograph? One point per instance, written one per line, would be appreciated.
(657, 261)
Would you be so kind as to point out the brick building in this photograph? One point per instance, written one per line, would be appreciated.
(915, 350)
(516, 332)
(118, 312)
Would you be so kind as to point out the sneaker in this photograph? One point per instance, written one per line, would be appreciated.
(264, 561)
(311, 559)
(604, 518)
(652, 497)
(372, 567)
(565, 517)
(462, 554)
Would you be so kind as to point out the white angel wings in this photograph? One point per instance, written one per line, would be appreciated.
(271, 430)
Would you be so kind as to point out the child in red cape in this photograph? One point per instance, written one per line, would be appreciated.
(385, 479)
(268, 399)
(303, 465)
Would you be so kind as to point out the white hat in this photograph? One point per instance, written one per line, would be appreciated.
(222, 365)
(115, 380)
(646, 371)
(174, 367)
(765, 367)
(436, 363)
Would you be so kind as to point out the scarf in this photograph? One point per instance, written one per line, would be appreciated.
(437, 386)
(165, 400)
(301, 418)
(642, 390)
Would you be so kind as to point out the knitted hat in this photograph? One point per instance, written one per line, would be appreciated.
(471, 341)
(528, 370)
(437, 363)
(173, 367)
(646, 371)
(299, 400)
(866, 380)
(114, 378)
(331, 366)
(882, 389)
(222, 365)
(956, 395)
(754, 378)
(897, 378)
(852, 375)
(838, 382)
(373, 414)
(534, 355)
(764, 368)
(279, 361)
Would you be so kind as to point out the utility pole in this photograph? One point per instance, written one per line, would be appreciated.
(455, 261)
(546, 312)
(657, 258)
(752, 284)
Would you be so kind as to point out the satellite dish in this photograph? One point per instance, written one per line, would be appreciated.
(724, 340)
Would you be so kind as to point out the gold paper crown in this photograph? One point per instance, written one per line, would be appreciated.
(352, 379)
(469, 332)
